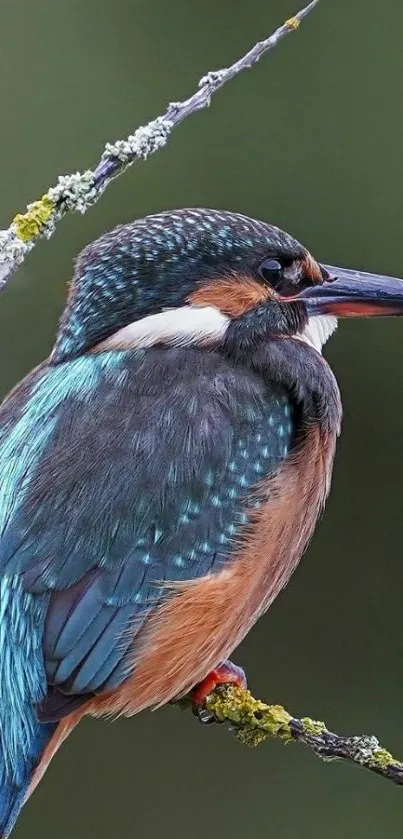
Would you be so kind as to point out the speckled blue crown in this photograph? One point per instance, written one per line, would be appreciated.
(153, 263)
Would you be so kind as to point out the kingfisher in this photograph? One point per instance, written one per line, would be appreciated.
(162, 471)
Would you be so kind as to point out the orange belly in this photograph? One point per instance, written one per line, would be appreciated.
(205, 619)
(202, 623)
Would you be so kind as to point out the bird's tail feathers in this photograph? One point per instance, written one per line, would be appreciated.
(14, 785)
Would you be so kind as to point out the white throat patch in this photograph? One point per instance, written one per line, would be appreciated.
(317, 331)
(202, 325)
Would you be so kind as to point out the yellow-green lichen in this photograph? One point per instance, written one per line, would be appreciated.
(255, 719)
(292, 23)
(252, 722)
(381, 759)
(251, 736)
(313, 726)
(30, 224)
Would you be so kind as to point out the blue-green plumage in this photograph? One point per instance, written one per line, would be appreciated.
(127, 469)
(121, 472)
(166, 504)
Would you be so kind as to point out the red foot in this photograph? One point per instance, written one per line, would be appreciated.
(226, 673)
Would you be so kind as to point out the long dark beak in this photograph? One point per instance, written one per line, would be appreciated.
(348, 293)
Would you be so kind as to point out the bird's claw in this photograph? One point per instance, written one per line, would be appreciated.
(226, 673)
(203, 715)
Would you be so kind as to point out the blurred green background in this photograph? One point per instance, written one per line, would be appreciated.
(310, 139)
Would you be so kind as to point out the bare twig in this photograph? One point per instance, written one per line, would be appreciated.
(253, 722)
(78, 191)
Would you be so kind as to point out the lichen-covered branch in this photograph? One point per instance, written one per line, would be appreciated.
(253, 722)
(77, 192)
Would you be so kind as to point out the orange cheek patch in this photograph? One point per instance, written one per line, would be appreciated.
(231, 295)
(310, 269)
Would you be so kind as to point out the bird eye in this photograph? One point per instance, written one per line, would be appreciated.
(271, 271)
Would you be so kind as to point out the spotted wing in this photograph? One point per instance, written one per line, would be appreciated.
(122, 471)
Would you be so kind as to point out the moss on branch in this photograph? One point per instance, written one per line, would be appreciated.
(253, 721)
(78, 191)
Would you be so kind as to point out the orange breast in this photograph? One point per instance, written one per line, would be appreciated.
(206, 619)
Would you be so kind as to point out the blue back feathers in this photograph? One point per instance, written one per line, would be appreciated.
(25, 434)
(120, 471)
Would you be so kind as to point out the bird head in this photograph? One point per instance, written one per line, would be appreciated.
(194, 276)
